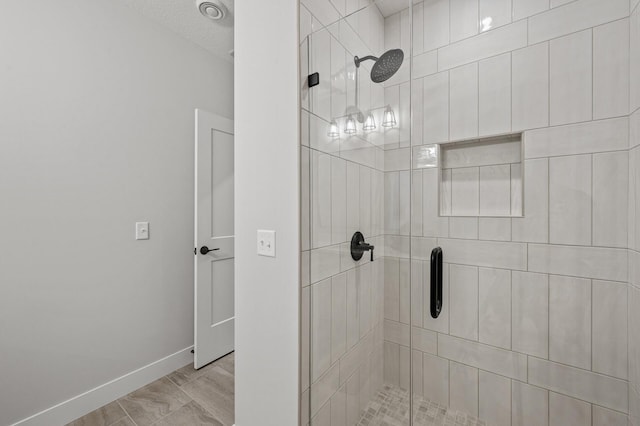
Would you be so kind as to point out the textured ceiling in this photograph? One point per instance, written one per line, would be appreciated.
(183, 17)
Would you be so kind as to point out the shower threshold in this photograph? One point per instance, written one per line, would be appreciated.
(390, 407)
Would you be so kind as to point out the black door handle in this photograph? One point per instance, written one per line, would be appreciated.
(436, 282)
(205, 250)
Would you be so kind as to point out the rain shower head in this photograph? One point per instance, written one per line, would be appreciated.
(385, 66)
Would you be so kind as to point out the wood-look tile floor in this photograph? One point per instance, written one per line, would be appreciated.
(186, 397)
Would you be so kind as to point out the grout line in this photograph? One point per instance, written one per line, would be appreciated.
(591, 330)
(592, 198)
(593, 84)
(548, 42)
(548, 358)
(548, 395)
(126, 412)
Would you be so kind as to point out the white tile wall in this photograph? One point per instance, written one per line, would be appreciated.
(464, 19)
(498, 10)
(582, 384)
(433, 225)
(611, 69)
(495, 86)
(575, 16)
(436, 378)
(485, 253)
(463, 391)
(603, 416)
(463, 95)
(530, 313)
(339, 407)
(494, 403)
(338, 316)
(570, 321)
(584, 138)
(494, 310)
(610, 199)
(610, 328)
(530, 405)
(485, 45)
(516, 190)
(463, 227)
(570, 78)
(585, 262)
(305, 201)
(634, 59)
(486, 152)
(463, 293)
(484, 357)
(530, 87)
(495, 190)
(564, 410)
(320, 61)
(534, 226)
(436, 108)
(494, 229)
(436, 24)
(338, 200)
(556, 3)
(321, 326)
(525, 8)
(465, 190)
(320, 199)
(570, 200)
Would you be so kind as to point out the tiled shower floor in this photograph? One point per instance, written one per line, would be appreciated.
(390, 407)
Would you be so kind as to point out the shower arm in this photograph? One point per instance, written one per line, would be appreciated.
(358, 60)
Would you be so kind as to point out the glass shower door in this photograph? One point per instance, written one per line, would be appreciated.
(352, 118)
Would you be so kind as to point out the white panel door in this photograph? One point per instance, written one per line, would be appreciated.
(214, 239)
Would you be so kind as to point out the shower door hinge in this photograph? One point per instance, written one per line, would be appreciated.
(313, 79)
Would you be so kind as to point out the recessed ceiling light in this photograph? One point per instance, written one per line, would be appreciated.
(213, 10)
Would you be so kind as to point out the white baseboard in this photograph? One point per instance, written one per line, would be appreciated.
(84, 403)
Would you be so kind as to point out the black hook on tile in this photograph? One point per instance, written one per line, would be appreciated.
(313, 79)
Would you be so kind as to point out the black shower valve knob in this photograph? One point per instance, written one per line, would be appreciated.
(359, 246)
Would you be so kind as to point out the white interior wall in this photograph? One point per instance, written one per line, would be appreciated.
(96, 133)
(267, 197)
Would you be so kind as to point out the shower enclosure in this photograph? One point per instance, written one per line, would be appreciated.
(487, 153)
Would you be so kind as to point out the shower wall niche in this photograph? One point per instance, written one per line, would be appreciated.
(481, 177)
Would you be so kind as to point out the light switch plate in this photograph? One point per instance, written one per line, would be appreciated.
(266, 243)
(142, 230)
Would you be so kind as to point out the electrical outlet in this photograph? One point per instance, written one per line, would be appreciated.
(266, 243)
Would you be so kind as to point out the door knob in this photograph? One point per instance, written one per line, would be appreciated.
(205, 250)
